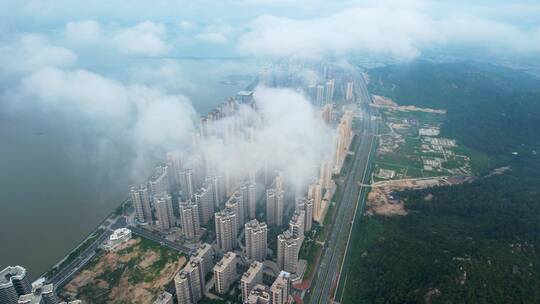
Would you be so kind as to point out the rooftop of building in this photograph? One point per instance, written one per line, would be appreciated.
(254, 267)
(119, 234)
(164, 297)
(11, 273)
(227, 259)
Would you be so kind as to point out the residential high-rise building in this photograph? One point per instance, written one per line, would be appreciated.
(250, 278)
(13, 284)
(274, 207)
(252, 200)
(281, 289)
(164, 211)
(141, 202)
(174, 164)
(159, 181)
(288, 247)
(235, 202)
(343, 139)
(315, 193)
(206, 254)
(326, 113)
(329, 90)
(296, 224)
(226, 229)
(244, 190)
(271, 207)
(259, 295)
(349, 91)
(306, 205)
(320, 100)
(189, 282)
(205, 200)
(41, 294)
(225, 272)
(217, 190)
(325, 175)
(189, 215)
(186, 183)
(256, 240)
(280, 206)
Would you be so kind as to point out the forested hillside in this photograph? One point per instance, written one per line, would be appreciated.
(492, 109)
(472, 243)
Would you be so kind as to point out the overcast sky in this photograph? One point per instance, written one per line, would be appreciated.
(114, 64)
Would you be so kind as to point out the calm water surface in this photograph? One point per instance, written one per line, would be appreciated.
(55, 189)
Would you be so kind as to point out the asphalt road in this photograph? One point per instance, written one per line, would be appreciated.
(60, 277)
(336, 245)
(162, 241)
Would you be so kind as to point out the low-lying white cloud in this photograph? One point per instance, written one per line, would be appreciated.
(144, 38)
(284, 133)
(30, 52)
(398, 33)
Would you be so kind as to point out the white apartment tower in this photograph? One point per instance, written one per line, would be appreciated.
(325, 175)
(205, 200)
(186, 182)
(164, 211)
(189, 215)
(225, 272)
(306, 205)
(250, 278)
(259, 295)
(189, 282)
(296, 224)
(349, 91)
(274, 207)
(315, 194)
(320, 96)
(206, 254)
(141, 202)
(329, 90)
(236, 203)
(281, 289)
(159, 181)
(252, 200)
(288, 247)
(214, 180)
(256, 240)
(226, 229)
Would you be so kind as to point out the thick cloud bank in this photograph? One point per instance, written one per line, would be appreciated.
(397, 33)
(284, 133)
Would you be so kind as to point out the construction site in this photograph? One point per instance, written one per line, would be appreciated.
(412, 154)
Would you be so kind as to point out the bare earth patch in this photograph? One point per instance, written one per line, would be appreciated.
(149, 259)
(379, 203)
(129, 274)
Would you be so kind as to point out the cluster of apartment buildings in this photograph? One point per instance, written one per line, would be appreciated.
(190, 281)
(16, 288)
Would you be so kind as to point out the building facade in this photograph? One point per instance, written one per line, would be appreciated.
(225, 272)
(226, 229)
(141, 202)
(189, 282)
(250, 278)
(256, 240)
(189, 215)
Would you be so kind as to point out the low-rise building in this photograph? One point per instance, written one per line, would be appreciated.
(119, 236)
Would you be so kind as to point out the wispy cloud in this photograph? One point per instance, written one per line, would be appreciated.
(144, 38)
